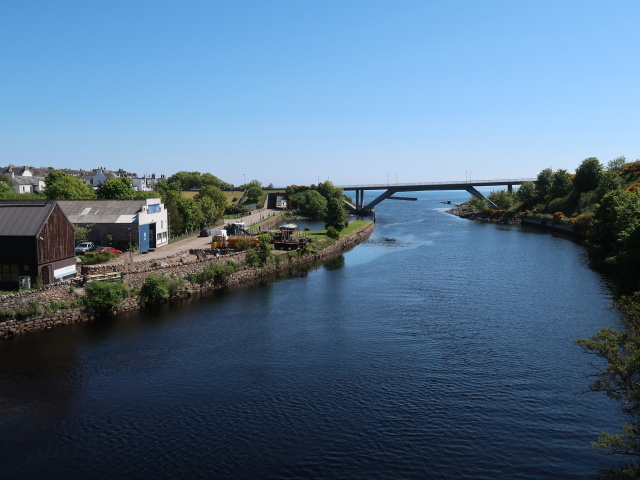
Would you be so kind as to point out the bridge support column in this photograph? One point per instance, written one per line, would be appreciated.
(359, 199)
(510, 188)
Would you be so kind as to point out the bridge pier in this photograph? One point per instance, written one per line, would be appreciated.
(359, 199)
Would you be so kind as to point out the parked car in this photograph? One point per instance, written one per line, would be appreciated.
(205, 233)
(107, 250)
(84, 247)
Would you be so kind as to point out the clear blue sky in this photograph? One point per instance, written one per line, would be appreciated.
(295, 91)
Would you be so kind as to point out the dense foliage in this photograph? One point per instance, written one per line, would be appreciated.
(103, 297)
(62, 186)
(159, 288)
(325, 202)
(215, 274)
(116, 189)
(194, 181)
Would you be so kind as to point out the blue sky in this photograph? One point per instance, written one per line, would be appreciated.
(292, 92)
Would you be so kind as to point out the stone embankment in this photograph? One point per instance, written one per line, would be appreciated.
(50, 306)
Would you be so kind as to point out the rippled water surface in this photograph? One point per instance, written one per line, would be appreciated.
(441, 348)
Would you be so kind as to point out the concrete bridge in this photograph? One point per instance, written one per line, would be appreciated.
(390, 189)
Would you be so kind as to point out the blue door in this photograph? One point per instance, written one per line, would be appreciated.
(144, 238)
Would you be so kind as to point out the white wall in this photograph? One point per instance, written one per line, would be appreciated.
(147, 217)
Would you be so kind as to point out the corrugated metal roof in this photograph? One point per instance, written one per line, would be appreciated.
(101, 211)
(22, 219)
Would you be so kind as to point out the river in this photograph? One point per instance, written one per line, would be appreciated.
(441, 348)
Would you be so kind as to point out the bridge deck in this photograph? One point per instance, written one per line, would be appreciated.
(469, 186)
(452, 185)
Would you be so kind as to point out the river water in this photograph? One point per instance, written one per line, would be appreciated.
(439, 349)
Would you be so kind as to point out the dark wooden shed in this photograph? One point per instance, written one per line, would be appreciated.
(36, 242)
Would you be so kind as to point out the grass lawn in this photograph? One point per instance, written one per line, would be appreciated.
(320, 236)
(229, 195)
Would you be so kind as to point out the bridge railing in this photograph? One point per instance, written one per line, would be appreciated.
(504, 181)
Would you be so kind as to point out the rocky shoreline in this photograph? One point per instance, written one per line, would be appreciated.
(462, 210)
(66, 294)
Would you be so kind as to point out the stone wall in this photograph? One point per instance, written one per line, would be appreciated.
(65, 292)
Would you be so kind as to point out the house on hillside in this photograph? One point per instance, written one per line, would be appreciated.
(25, 179)
(100, 176)
(120, 223)
(36, 242)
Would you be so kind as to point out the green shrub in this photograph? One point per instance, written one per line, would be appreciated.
(159, 288)
(102, 297)
(333, 233)
(555, 205)
(53, 306)
(476, 205)
(156, 288)
(582, 223)
(252, 258)
(31, 310)
(92, 258)
(215, 274)
(6, 315)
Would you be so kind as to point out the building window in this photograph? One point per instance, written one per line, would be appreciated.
(9, 272)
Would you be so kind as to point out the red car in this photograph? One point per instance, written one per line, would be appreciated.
(107, 250)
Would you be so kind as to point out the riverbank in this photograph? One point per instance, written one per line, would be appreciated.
(462, 211)
(57, 304)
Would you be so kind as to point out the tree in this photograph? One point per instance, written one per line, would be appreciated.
(619, 378)
(190, 213)
(609, 181)
(560, 183)
(253, 194)
(265, 247)
(526, 192)
(62, 186)
(210, 211)
(81, 234)
(336, 216)
(328, 190)
(588, 175)
(615, 219)
(116, 189)
(616, 164)
(208, 179)
(176, 224)
(502, 198)
(212, 203)
(543, 183)
(476, 205)
(6, 188)
(185, 180)
(212, 192)
(310, 203)
(6, 180)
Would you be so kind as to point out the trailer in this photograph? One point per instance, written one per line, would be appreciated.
(223, 239)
